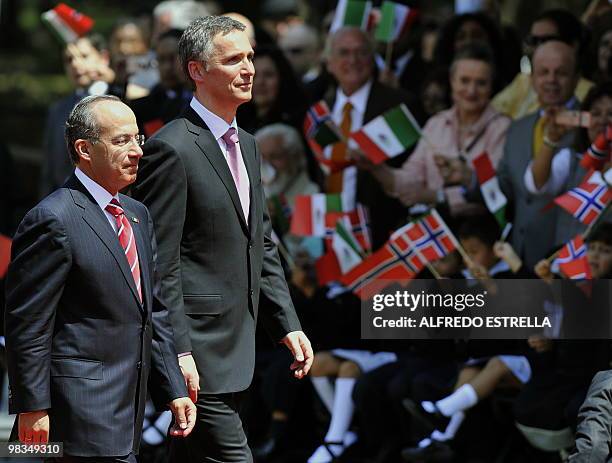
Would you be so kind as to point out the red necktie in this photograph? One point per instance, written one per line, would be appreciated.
(127, 240)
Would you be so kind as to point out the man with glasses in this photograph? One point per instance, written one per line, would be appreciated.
(519, 98)
(84, 322)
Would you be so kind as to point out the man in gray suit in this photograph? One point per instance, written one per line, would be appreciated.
(200, 177)
(84, 322)
(555, 74)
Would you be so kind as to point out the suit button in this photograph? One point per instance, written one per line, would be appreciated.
(250, 245)
(139, 365)
(251, 292)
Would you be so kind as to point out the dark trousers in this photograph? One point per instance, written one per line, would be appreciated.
(68, 459)
(218, 435)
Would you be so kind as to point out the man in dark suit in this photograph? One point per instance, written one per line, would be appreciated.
(358, 99)
(170, 96)
(200, 177)
(84, 322)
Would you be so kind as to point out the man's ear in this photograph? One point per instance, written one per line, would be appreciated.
(81, 146)
(196, 70)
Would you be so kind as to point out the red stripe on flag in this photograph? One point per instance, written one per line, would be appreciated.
(484, 168)
(301, 221)
(5, 254)
(371, 149)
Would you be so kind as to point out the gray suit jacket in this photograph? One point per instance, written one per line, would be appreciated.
(594, 431)
(534, 221)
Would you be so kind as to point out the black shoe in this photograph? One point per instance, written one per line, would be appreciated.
(430, 421)
(435, 452)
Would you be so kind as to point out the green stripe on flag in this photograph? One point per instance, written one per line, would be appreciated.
(348, 237)
(386, 26)
(334, 203)
(500, 216)
(326, 135)
(403, 126)
(354, 13)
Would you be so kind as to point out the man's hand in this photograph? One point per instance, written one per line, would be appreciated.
(34, 427)
(190, 373)
(552, 129)
(540, 343)
(300, 348)
(185, 413)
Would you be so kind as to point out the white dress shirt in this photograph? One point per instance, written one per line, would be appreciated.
(359, 100)
(218, 127)
(100, 195)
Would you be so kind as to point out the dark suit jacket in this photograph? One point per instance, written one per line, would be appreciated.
(386, 213)
(57, 166)
(79, 342)
(213, 264)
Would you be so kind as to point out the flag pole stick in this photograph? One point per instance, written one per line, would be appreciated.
(388, 54)
(432, 269)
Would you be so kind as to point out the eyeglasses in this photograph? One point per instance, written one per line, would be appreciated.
(124, 140)
(535, 40)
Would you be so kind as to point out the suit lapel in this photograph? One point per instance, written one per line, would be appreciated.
(209, 146)
(251, 164)
(97, 221)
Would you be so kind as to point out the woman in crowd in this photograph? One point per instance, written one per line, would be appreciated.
(284, 176)
(277, 94)
(458, 134)
(474, 28)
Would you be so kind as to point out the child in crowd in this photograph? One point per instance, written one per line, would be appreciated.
(488, 258)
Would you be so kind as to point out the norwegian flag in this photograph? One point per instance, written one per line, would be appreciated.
(572, 260)
(598, 153)
(360, 226)
(432, 237)
(316, 115)
(396, 261)
(586, 201)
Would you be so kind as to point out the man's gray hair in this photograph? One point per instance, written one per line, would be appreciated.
(196, 43)
(82, 123)
(292, 143)
(331, 40)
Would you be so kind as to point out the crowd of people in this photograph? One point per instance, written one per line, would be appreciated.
(474, 86)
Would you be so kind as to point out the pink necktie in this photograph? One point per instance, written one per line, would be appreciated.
(231, 139)
(127, 240)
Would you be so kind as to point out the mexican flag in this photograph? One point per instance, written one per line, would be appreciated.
(347, 249)
(388, 135)
(489, 187)
(67, 23)
(394, 18)
(355, 13)
(309, 212)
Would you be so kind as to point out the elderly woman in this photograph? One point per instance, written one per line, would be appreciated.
(458, 134)
(284, 174)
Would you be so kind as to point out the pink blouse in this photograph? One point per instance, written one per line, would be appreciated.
(441, 136)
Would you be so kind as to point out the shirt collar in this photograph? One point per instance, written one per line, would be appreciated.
(359, 99)
(100, 195)
(217, 126)
(487, 115)
(569, 104)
